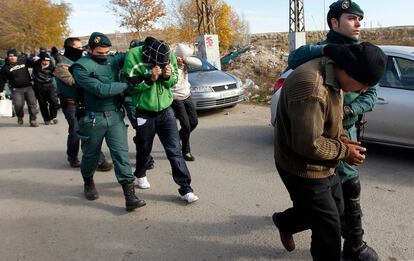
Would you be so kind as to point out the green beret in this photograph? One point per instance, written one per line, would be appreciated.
(99, 39)
(345, 6)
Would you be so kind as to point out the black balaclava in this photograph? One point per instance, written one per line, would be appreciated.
(73, 53)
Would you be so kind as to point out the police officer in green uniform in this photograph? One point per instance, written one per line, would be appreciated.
(97, 76)
(344, 20)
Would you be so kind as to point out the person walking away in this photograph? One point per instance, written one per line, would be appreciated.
(69, 101)
(151, 72)
(44, 89)
(183, 105)
(344, 20)
(16, 73)
(310, 142)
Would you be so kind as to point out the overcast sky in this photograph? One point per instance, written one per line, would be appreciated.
(263, 15)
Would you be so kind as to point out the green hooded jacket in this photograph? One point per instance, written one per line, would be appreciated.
(146, 94)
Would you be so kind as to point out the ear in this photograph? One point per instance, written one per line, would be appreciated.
(334, 22)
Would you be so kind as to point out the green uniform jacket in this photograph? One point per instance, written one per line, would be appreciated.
(360, 103)
(100, 82)
(146, 94)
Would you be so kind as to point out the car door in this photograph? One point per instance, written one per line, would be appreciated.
(392, 120)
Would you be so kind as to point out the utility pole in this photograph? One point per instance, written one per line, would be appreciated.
(297, 35)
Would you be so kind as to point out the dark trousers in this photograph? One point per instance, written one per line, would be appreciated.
(20, 95)
(48, 103)
(72, 143)
(317, 205)
(73, 140)
(186, 114)
(163, 124)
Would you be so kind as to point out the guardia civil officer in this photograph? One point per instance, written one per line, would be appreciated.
(344, 20)
(70, 101)
(97, 74)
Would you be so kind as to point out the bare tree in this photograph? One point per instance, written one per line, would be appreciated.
(138, 15)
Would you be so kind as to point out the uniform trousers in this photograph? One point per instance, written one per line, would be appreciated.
(93, 129)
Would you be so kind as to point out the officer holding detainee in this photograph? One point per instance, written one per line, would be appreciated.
(97, 75)
(344, 20)
(309, 142)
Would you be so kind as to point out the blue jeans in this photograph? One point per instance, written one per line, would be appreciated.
(164, 125)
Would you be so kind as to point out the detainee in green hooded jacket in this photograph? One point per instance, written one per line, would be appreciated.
(146, 94)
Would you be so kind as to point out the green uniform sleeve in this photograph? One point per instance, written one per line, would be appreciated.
(303, 54)
(307, 125)
(365, 101)
(94, 85)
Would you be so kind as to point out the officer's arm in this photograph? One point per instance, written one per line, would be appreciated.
(303, 54)
(173, 79)
(93, 85)
(365, 102)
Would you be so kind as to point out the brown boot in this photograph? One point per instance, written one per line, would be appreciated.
(104, 166)
(287, 240)
(74, 163)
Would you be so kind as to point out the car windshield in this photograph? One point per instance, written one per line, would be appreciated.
(206, 66)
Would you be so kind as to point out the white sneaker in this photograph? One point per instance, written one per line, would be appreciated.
(143, 183)
(190, 197)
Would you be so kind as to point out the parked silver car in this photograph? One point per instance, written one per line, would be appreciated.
(212, 88)
(392, 120)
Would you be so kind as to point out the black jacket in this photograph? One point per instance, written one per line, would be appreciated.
(43, 75)
(17, 75)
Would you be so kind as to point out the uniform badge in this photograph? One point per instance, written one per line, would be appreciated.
(345, 4)
(97, 39)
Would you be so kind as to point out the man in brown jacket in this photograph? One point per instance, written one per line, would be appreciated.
(309, 142)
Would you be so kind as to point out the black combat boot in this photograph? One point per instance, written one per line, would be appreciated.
(131, 200)
(89, 189)
(355, 248)
(361, 253)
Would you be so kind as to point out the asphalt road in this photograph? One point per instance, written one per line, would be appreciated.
(43, 215)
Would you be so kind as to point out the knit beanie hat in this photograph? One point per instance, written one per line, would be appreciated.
(183, 50)
(156, 52)
(11, 52)
(44, 56)
(364, 62)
